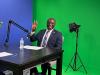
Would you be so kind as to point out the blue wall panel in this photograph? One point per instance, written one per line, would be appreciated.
(21, 12)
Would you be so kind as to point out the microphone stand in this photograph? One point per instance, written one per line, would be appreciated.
(8, 31)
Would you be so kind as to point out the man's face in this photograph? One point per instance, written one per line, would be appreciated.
(50, 24)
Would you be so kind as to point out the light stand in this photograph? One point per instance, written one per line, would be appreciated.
(74, 27)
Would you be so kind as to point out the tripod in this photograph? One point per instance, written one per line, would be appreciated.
(75, 57)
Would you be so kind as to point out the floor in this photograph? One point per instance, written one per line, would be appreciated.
(71, 72)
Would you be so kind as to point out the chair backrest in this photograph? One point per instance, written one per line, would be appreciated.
(62, 39)
(54, 62)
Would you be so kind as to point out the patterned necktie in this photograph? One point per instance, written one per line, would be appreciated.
(44, 43)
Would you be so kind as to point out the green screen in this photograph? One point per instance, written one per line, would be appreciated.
(85, 13)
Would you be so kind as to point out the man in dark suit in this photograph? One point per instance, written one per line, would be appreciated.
(46, 38)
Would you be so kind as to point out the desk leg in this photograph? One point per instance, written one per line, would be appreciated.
(59, 65)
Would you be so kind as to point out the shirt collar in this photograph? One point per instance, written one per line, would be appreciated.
(49, 30)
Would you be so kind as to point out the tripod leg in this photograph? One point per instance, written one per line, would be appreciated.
(74, 64)
(70, 64)
(82, 64)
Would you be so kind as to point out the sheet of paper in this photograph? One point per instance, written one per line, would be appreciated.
(32, 47)
(3, 54)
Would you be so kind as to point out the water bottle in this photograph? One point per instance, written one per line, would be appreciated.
(21, 43)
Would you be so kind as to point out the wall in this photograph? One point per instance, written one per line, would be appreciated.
(21, 12)
(84, 13)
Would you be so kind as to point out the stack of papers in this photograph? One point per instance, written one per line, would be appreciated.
(3, 54)
(32, 47)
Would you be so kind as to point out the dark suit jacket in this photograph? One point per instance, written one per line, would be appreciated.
(54, 41)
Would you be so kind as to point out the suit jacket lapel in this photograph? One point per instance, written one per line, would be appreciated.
(51, 36)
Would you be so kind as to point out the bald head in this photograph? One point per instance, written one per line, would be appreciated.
(50, 23)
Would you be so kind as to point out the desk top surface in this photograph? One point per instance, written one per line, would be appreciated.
(25, 56)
